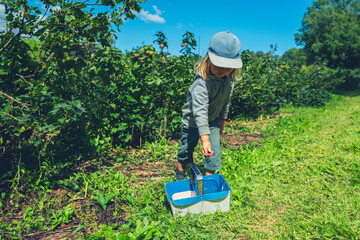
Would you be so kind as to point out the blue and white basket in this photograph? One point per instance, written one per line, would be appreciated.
(184, 200)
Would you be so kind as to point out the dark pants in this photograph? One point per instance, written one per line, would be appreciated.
(189, 140)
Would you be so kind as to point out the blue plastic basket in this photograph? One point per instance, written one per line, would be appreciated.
(216, 196)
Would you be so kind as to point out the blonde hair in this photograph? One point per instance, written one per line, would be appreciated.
(203, 68)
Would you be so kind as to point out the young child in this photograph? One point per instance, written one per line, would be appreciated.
(208, 100)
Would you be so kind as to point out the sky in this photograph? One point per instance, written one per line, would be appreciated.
(257, 23)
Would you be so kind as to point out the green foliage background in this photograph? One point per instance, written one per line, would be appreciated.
(330, 35)
(68, 95)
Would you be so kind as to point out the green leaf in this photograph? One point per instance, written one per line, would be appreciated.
(39, 32)
(108, 197)
(130, 99)
(69, 18)
(50, 18)
(130, 200)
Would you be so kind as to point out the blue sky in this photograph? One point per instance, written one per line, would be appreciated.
(257, 23)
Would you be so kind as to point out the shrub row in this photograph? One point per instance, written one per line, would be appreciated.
(268, 83)
(79, 99)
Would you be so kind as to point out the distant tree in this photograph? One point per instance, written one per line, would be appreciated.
(294, 55)
(330, 34)
(260, 54)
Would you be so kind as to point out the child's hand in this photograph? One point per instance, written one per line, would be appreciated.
(206, 146)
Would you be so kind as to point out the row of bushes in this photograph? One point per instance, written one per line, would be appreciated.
(74, 103)
(268, 83)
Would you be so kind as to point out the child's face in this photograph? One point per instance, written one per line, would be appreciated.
(219, 71)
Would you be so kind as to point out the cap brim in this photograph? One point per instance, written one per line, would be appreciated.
(225, 62)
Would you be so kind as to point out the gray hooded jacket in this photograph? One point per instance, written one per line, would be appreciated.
(206, 101)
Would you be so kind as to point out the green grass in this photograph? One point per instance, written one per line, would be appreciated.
(302, 181)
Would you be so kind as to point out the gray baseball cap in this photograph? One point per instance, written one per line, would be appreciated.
(224, 50)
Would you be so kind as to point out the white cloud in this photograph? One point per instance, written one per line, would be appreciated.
(55, 9)
(2, 11)
(158, 12)
(2, 18)
(148, 17)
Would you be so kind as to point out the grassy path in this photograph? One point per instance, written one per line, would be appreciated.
(303, 182)
(300, 181)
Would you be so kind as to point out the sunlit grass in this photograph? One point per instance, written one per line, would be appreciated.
(300, 180)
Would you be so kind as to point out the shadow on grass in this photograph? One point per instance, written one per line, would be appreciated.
(349, 93)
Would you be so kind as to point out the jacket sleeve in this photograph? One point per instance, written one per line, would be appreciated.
(224, 114)
(200, 106)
